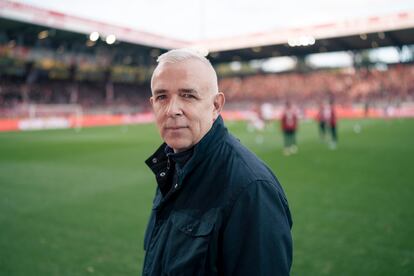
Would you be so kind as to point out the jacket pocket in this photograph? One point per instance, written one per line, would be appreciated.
(191, 226)
(188, 244)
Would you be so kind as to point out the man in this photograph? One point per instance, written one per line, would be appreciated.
(218, 210)
(321, 118)
(289, 123)
(332, 121)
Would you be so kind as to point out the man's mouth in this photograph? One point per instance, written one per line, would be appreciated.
(175, 127)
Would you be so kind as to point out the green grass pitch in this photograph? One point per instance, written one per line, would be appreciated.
(77, 203)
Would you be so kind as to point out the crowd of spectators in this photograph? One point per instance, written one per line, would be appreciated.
(345, 85)
(93, 97)
(395, 83)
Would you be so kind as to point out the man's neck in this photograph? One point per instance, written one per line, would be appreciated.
(180, 158)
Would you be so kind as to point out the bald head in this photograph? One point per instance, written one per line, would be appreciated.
(183, 57)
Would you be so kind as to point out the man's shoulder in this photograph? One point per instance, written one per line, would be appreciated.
(245, 172)
(242, 163)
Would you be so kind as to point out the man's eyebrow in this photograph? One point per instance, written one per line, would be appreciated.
(188, 90)
(160, 91)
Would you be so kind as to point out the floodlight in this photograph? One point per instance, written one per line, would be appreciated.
(94, 36)
(110, 39)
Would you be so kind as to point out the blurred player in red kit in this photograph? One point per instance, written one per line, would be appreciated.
(289, 122)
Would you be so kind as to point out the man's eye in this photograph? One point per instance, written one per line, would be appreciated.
(189, 96)
(160, 97)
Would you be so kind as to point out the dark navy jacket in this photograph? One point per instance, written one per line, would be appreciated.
(225, 214)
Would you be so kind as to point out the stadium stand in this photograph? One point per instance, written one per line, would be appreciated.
(347, 85)
(41, 63)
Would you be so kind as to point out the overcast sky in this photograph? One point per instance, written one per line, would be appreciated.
(201, 19)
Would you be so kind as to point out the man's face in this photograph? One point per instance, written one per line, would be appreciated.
(184, 102)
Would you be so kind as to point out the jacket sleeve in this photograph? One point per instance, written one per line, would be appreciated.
(257, 238)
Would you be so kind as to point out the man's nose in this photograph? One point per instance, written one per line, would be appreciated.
(174, 107)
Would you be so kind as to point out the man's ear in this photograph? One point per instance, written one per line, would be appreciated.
(151, 99)
(219, 101)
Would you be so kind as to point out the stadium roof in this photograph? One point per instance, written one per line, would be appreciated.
(395, 29)
(367, 33)
(191, 20)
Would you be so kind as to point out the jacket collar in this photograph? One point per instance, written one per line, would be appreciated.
(159, 159)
